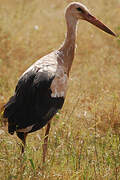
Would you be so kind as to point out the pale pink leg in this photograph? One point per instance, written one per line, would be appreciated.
(24, 142)
(45, 141)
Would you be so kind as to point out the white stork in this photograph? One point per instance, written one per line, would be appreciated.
(41, 90)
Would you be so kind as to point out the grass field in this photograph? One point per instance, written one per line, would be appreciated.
(84, 141)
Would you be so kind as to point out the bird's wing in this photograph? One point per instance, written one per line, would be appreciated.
(33, 104)
(37, 77)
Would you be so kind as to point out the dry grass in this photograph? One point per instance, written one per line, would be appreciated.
(84, 139)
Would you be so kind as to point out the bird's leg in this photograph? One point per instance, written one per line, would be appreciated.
(24, 142)
(45, 141)
(22, 136)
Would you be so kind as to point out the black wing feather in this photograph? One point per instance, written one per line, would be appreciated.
(32, 102)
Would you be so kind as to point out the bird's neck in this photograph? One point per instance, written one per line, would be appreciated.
(68, 47)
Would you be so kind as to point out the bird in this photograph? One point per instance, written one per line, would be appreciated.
(41, 90)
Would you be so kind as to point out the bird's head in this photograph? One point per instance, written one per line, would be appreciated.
(79, 11)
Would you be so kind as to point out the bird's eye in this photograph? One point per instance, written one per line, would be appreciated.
(80, 10)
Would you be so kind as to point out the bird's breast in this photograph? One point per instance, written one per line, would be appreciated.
(59, 84)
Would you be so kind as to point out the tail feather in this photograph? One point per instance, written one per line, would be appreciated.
(9, 110)
(17, 113)
(8, 107)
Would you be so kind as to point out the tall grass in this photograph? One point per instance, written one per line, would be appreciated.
(85, 134)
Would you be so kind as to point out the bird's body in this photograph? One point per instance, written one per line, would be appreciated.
(39, 94)
(41, 90)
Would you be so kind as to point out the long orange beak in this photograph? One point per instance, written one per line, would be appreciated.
(99, 24)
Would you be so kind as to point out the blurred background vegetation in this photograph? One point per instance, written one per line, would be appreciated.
(84, 141)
